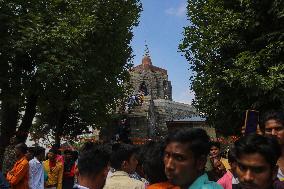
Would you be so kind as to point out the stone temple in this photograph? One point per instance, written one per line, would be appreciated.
(149, 118)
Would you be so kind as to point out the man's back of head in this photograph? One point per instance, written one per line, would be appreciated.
(121, 157)
(153, 166)
(93, 166)
(30, 153)
(21, 150)
(39, 153)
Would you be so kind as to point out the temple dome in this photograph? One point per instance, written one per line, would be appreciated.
(146, 61)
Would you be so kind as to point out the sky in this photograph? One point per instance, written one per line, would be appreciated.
(161, 26)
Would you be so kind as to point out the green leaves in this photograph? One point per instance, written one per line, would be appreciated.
(73, 54)
(236, 50)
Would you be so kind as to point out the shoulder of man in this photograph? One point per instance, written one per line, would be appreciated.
(211, 185)
(45, 163)
(22, 165)
(59, 164)
(25, 161)
(137, 183)
(33, 162)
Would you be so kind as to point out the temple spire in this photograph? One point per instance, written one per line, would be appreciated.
(146, 51)
(146, 61)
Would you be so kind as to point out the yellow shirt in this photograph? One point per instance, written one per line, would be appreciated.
(55, 174)
(225, 163)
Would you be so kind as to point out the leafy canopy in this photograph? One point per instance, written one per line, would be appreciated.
(236, 50)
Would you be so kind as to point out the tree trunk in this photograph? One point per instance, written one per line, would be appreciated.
(59, 129)
(30, 112)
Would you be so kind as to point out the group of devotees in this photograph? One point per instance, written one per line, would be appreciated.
(185, 159)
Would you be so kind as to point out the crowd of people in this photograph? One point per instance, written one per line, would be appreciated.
(186, 159)
(35, 170)
(137, 99)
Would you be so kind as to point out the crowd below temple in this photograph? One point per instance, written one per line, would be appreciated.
(186, 159)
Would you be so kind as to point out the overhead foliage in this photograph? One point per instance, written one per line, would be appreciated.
(71, 58)
(236, 50)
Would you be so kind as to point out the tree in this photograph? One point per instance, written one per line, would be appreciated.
(236, 50)
(90, 92)
(65, 60)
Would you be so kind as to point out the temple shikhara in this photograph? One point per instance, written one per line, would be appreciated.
(150, 107)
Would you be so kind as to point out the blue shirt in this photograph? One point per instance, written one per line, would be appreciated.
(203, 182)
(36, 174)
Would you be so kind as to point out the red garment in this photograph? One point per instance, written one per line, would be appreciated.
(60, 158)
(52, 164)
(72, 171)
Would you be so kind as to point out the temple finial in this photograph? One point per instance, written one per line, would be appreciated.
(146, 51)
(146, 61)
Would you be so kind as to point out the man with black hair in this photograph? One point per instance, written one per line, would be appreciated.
(124, 162)
(219, 164)
(273, 123)
(92, 168)
(54, 169)
(154, 168)
(58, 155)
(185, 157)
(30, 153)
(215, 154)
(36, 171)
(18, 177)
(256, 161)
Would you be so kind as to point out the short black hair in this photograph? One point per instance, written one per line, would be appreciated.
(121, 152)
(92, 161)
(267, 147)
(52, 150)
(197, 139)
(276, 115)
(38, 150)
(153, 165)
(216, 144)
(22, 147)
(56, 148)
(87, 146)
(31, 150)
(70, 152)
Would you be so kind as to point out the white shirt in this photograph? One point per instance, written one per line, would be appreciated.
(36, 174)
(77, 186)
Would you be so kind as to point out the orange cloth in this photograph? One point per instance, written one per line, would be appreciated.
(18, 177)
(162, 185)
